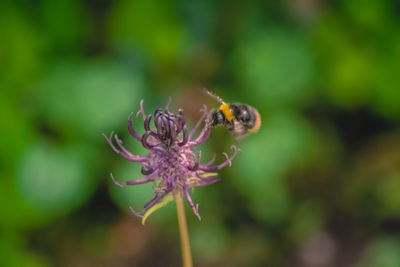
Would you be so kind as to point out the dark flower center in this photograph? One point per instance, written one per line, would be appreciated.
(169, 126)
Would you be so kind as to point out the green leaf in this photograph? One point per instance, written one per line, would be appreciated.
(265, 61)
(88, 98)
(54, 180)
(168, 198)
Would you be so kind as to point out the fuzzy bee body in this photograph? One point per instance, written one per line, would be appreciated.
(238, 118)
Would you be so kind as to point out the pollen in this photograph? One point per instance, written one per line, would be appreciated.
(225, 108)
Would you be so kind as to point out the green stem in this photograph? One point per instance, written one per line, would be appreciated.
(183, 230)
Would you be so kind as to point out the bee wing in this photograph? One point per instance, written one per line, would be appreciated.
(239, 130)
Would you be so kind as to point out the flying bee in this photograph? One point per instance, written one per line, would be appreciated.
(238, 118)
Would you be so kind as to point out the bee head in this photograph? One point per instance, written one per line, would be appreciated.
(218, 118)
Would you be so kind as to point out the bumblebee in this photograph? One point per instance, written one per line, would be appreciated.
(238, 118)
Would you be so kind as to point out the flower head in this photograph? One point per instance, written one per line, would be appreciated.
(171, 161)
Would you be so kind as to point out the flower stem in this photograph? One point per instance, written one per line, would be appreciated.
(185, 245)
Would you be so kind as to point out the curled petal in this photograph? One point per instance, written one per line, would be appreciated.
(172, 132)
(158, 113)
(119, 143)
(125, 154)
(208, 168)
(132, 130)
(196, 127)
(168, 198)
(206, 180)
(141, 111)
(166, 126)
(184, 136)
(180, 121)
(138, 214)
(147, 171)
(147, 122)
(150, 204)
(155, 199)
(147, 127)
(190, 201)
(227, 159)
(145, 142)
(205, 133)
(168, 102)
(162, 128)
(133, 182)
(159, 124)
(211, 161)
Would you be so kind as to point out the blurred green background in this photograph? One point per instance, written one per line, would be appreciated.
(318, 185)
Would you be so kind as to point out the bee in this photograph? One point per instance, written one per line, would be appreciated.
(238, 118)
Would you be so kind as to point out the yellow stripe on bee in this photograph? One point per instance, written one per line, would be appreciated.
(227, 111)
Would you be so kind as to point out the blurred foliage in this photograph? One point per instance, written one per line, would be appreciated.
(274, 56)
(52, 179)
(72, 89)
(318, 185)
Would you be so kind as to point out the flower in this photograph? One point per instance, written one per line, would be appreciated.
(171, 161)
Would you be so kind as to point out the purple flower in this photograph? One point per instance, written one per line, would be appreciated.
(171, 161)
